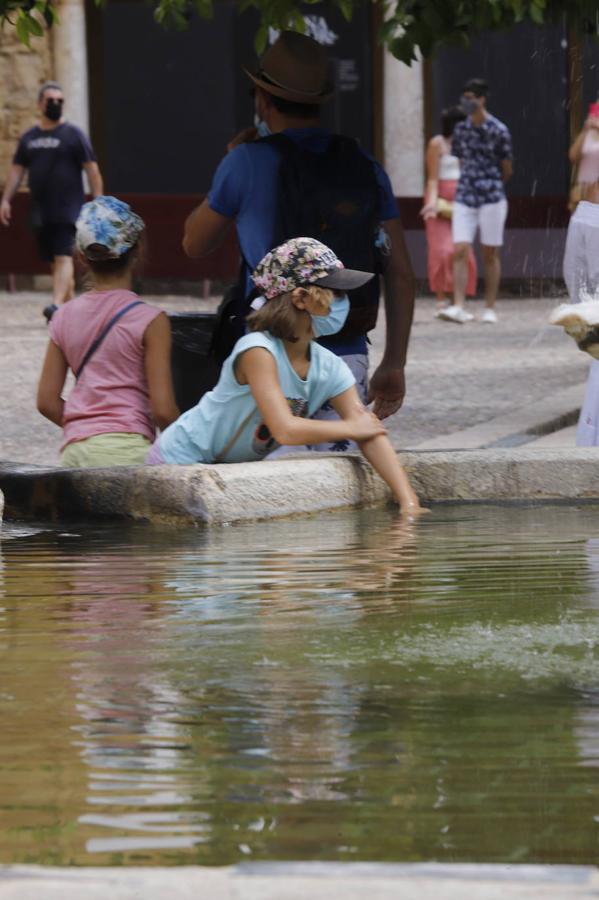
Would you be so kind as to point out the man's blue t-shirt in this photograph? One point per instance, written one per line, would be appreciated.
(244, 189)
(54, 158)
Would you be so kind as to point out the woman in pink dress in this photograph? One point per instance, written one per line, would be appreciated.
(442, 174)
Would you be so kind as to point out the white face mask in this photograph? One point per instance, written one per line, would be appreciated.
(334, 319)
(261, 126)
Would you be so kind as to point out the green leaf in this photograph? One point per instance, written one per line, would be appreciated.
(204, 8)
(46, 11)
(402, 49)
(518, 8)
(410, 26)
(347, 8)
(536, 14)
(22, 28)
(387, 30)
(35, 27)
(261, 39)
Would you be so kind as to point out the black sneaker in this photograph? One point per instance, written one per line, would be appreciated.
(48, 311)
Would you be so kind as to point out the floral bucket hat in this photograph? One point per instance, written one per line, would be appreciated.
(302, 261)
(107, 228)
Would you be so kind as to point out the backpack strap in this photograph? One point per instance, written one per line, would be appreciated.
(108, 327)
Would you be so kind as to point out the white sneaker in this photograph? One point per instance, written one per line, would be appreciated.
(489, 317)
(455, 314)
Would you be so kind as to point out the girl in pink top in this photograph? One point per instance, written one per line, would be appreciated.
(117, 346)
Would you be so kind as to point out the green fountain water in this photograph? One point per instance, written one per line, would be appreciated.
(343, 687)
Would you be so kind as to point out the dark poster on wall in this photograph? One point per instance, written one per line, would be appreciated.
(165, 103)
(526, 69)
(164, 98)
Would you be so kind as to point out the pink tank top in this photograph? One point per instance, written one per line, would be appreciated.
(112, 393)
(588, 167)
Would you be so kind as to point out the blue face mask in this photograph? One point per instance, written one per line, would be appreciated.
(334, 319)
(261, 127)
(468, 105)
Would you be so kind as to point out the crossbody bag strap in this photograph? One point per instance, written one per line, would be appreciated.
(94, 346)
(232, 441)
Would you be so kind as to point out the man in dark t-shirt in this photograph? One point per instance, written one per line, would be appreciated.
(54, 153)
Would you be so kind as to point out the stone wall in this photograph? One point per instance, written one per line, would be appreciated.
(22, 70)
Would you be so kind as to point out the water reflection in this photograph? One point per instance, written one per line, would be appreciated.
(339, 687)
(134, 751)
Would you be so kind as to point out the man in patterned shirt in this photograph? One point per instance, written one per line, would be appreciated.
(483, 145)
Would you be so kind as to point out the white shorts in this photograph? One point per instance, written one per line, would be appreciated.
(489, 218)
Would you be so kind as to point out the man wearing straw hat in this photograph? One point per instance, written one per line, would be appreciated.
(290, 86)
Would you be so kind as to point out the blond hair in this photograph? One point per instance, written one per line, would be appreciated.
(280, 315)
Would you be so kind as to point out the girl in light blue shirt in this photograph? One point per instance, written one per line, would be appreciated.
(277, 376)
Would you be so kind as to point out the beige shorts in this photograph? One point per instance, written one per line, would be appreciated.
(103, 450)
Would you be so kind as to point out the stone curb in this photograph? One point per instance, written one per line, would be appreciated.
(531, 474)
(233, 493)
(198, 494)
(296, 881)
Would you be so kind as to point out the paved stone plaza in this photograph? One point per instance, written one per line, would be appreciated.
(458, 376)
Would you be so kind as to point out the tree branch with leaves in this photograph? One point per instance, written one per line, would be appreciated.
(411, 27)
(29, 18)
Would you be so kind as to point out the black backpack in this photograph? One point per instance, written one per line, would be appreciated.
(333, 196)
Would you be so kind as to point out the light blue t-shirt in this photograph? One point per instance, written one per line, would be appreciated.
(201, 433)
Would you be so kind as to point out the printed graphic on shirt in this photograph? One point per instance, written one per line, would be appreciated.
(42, 143)
(263, 442)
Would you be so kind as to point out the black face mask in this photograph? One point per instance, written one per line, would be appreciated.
(53, 110)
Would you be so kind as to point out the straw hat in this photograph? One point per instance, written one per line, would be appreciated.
(295, 68)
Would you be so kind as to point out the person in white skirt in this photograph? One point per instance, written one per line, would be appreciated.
(581, 258)
(581, 274)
